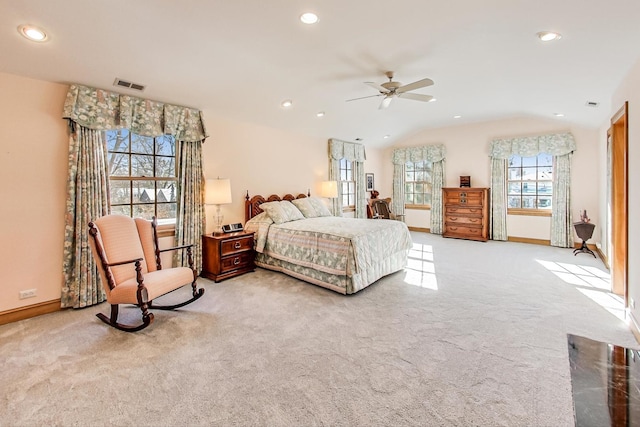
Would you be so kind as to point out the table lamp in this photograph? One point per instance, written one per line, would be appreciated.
(218, 192)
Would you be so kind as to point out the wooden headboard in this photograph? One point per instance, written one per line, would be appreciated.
(252, 205)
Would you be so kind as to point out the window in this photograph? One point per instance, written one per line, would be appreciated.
(530, 182)
(142, 175)
(417, 184)
(348, 183)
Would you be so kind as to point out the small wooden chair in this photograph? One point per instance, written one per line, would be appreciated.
(128, 258)
(381, 209)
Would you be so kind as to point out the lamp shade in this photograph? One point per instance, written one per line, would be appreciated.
(329, 189)
(218, 192)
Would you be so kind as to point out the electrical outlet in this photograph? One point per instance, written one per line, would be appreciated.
(28, 293)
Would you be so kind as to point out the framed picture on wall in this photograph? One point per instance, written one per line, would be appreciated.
(369, 180)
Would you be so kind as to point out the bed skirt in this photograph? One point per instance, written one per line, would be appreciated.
(338, 283)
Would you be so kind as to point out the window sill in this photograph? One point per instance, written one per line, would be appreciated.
(529, 212)
(418, 207)
(166, 230)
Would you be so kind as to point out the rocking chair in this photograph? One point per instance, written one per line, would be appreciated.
(128, 258)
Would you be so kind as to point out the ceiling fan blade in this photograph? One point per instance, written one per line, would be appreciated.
(377, 87)
(385, 102)
(370, 96)
(415, 85)
(416, 97)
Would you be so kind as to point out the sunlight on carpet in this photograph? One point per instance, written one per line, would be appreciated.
(420, 270)
(592, 282)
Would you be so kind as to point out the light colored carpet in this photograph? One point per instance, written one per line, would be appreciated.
(481, 342)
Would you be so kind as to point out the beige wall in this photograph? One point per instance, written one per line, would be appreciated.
(467, 148)
(33, 172)
(629, 90)
(265, 161)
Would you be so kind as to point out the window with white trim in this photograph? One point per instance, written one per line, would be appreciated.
(348, 184)
(142, 175)
(417, 184)
(530, 182)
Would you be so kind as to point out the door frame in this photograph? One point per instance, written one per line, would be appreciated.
(618, 146)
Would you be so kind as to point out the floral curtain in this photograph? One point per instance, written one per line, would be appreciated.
(356, 154)
(87, 199)
(190, 224)
(431, 153)
(560, 146)
(91, 111)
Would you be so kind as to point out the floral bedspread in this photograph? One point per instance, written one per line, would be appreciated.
(334, 245)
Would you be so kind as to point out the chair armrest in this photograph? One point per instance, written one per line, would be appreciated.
(113, 264)
(175, 248)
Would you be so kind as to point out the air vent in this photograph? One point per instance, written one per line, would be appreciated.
(592, 104)
(128, 85)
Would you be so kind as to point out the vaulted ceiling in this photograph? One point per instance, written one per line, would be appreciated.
(241, 59)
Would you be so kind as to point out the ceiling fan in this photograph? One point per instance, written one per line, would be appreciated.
(393, 89)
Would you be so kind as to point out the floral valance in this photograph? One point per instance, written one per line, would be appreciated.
(102, 110)
(430, 153)
(557, 144)
(346, 150)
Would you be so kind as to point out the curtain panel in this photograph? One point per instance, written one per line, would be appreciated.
(432, 153)
(87, 199)
(91, 111)
(560, 146)
(356, 154)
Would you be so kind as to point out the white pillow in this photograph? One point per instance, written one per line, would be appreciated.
(311, 207)
(281, 212)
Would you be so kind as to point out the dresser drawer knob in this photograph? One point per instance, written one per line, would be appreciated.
(237, 245)
(236, 261)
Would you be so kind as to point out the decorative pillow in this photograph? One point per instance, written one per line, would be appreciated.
(311, 207)
(281, 212)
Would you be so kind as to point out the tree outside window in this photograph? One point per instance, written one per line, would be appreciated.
(530, 182)
(417, 184)
(142, 175)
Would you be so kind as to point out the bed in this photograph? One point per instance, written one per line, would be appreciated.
(342, 254)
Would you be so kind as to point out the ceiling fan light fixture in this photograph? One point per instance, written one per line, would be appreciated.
(547, 36)
(309, 18)
(33, 33)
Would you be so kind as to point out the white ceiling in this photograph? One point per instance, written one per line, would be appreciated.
(239, 59)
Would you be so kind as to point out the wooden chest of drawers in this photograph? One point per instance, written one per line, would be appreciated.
(466, 213)
(227, 255)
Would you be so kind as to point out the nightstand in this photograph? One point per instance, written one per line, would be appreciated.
(227, 255)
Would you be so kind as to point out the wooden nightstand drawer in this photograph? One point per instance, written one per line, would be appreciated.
(227, 255)
(236, 245)
(235, 262)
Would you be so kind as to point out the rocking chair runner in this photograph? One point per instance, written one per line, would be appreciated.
(128, 258)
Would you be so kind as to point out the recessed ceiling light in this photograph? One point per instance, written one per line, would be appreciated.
(547, 36)
(432, 100)
(558, 114)
(287, 103)
(457, 117)
(33, 33)
(309, 18)
(320, 114)
(386, 136)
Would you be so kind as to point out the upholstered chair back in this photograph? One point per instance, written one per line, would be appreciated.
(120, 241)
(147, 240)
